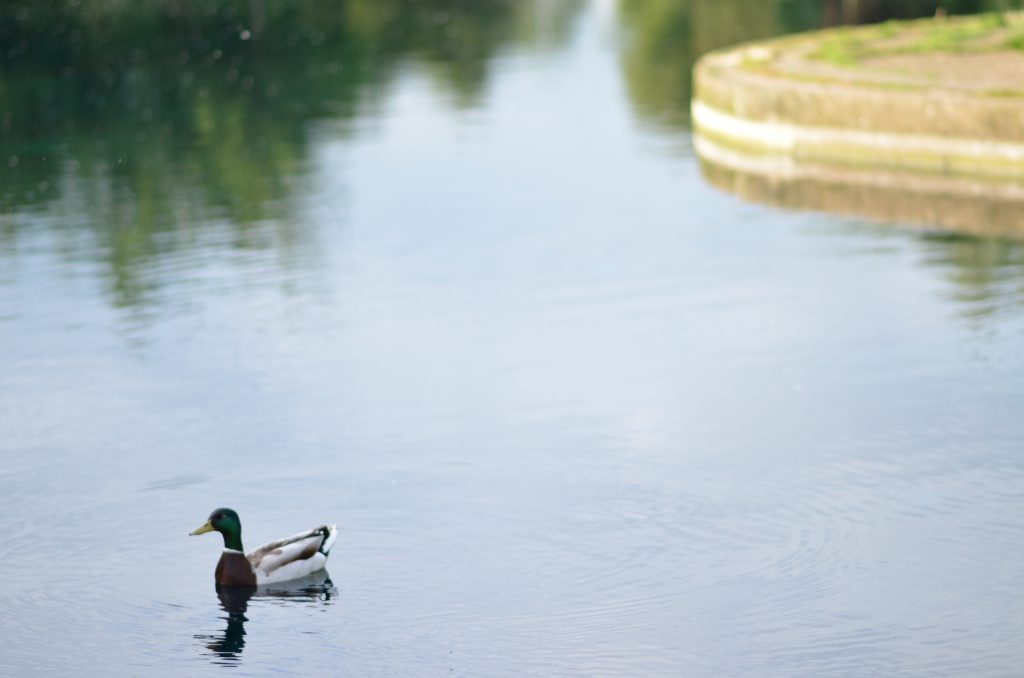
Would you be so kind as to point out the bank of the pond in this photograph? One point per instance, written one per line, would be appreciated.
(938, 95)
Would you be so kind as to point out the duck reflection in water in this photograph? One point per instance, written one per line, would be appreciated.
(226, 647)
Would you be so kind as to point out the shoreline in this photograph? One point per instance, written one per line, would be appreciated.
(873, 96)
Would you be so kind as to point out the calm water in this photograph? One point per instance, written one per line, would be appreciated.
(452, 279)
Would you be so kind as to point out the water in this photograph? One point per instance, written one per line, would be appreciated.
(575, 411)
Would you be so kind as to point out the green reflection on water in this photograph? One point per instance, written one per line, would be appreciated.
(664, 38)
(143, 122)
(986, 271)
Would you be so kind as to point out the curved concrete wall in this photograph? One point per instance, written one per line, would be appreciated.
(741, 100)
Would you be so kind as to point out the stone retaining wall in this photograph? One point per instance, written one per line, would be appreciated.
(741, 99)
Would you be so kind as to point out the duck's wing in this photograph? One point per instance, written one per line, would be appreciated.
(295, 556)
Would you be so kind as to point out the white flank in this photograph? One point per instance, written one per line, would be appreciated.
(282, 560)
(293, 570)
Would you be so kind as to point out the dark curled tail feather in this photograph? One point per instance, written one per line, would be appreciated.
(326, 542)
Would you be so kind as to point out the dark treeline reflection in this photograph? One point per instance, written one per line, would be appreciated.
(664, 38)
(148, 118)
(988, 272)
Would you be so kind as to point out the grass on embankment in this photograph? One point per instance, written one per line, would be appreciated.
(974, 34)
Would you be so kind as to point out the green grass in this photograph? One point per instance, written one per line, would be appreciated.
(844, 47)
(848, 46)
(1016, 41)
(890, 29)
(956, 35)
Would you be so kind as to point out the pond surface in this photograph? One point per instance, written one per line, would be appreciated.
(452, 279)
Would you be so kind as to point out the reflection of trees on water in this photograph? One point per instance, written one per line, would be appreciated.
(664, 38)
(143, 122)
(982, 253)
(988, 273)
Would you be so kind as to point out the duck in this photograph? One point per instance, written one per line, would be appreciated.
(283, 560)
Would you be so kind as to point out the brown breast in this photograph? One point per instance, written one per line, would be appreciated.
(233, 569)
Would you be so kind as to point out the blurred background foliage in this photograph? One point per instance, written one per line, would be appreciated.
(154, 117)
(227, 86)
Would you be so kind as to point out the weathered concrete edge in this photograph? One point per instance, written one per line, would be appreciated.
(898, 150)
(740, 102)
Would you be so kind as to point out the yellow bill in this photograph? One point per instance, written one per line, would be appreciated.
(202, 529)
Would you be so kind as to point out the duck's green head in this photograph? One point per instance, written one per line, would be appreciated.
(225, 521)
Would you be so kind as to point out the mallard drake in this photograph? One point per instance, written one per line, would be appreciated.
(290, 558)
